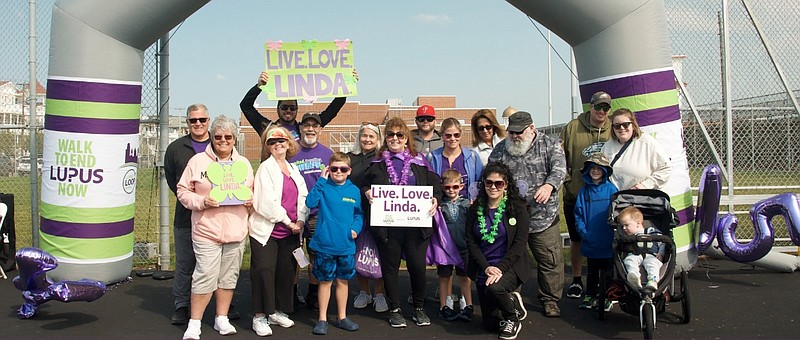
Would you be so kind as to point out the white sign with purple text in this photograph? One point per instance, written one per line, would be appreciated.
(401, 206)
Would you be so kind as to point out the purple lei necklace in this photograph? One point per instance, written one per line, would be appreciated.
(405, 156)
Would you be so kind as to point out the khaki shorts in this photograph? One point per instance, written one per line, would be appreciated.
(217, 266)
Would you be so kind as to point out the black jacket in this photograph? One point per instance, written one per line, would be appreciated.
(175, 159)
(516, 258)
(261, 123)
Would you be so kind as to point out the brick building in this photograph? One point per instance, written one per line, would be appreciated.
(340, 134)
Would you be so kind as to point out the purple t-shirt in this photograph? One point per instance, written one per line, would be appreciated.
(289, 203)
(458, 165)
(199, 146)
(293, 130)
(308, 161)
(397, 164)
(494, 252)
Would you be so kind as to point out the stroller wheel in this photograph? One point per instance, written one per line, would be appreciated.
(648, 320)
(602, 296)
(685, 306)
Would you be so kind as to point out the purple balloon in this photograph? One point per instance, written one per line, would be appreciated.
(708, 206)
(786, 205)
(33, 263)
(763, 237)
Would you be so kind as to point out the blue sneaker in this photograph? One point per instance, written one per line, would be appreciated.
(321, 328)
(346, 324)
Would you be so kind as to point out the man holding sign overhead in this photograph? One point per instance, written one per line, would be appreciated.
(307, 70)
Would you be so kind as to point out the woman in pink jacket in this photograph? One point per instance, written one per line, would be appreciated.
(219, 222)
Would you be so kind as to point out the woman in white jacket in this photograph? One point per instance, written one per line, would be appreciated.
(643, 163)
(275, 228)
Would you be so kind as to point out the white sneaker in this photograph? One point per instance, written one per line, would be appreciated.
(635, 280)
(380, 303)
(261, 326)
(462, 303)
(192, 331)
(223, 325)
(448, 301)
(652, 284)
(362, 300)
(280, 319)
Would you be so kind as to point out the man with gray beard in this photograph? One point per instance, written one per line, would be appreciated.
(540, 167)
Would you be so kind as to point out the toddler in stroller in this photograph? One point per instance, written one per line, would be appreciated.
(632, 222)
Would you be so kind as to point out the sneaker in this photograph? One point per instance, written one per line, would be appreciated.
(180, 316)
(652, 284)
(321, 328)
(608, 305)
(410, 299)
(396, 319)
(380, 303)
(588, 302)
(223, 325)
(522, 313)
(466, 313)
(420, 318)
(233, 313)
(575, 290)
(509, 329)
(447, 314)
(448, 301)
(192, 331)
(346, 324)
(551, 309)
(362, 300)
(462, 303)
(280, 319)
(635, 280)
(261, 326)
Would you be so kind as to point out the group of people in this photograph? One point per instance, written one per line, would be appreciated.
(498, 201)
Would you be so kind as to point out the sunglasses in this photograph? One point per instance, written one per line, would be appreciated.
(622, 126)
(391, 134)
(452, 187)
(426, 119)
(452, 135)
(288, 107)
(341, 169)
(276, 140)
(369, 123)
(485, 128)
(602, 107)
(195, 120)
(497, 184)
(219, 137)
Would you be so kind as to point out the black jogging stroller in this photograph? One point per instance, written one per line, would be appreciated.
(644, 302)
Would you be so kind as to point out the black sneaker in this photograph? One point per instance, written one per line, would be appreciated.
(509, 329)
(522, 313)
(233, 313)
(180, 316)
(466, 313)
(396, 318)
(575, 290)
(447, 314)
(421, 318)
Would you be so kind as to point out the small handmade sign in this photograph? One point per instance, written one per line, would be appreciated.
(309, 69)
(401, 206)
(228, 182)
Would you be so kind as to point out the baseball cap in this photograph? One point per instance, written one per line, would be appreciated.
(312, 115)
(600, 97)
(426, 110)
(519, 121)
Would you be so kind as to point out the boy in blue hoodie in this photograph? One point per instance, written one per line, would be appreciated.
(340, 218)
(591, 211)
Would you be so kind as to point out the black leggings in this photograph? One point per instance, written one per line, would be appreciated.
(409, 242)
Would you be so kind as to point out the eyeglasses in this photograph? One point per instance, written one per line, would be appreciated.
(426, 119)
(622, 126)
(602, 107)
(276, 140)
(220, 137)
(339, 168)
(485, 128)
(452, 135)
(452, 187)
(195, 120)
(288, 107)
(391, 134)
(312, 125)
(497, 184)
(518, 133)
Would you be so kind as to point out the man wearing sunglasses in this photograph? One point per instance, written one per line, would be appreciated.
(175, 159)
(426, 139)
(538, 164)
(582, 137)
(286, 110)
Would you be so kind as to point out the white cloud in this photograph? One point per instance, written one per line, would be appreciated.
(432, 18)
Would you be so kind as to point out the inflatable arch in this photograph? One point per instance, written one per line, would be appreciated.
(94, 99)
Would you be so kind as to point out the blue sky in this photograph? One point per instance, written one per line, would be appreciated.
(487, 53)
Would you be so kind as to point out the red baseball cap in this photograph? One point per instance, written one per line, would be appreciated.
(426, 110)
